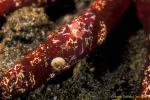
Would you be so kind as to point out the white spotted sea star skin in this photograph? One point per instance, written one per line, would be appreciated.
(59, 52)
(8, 5)
(143, 9)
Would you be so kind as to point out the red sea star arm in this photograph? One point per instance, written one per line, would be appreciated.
(143, 10)
(59, 52)
(8, 5)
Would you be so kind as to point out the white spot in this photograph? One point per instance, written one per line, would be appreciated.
(73, 58)
(82, 49)
(55, 41)
(93, 17)
(52, 75)
(58, 63)
(36, 60)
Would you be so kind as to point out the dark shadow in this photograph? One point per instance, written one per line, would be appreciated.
(60, 8)
(2, 21)
(109, 55)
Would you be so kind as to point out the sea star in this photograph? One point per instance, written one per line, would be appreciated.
(71, 43)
